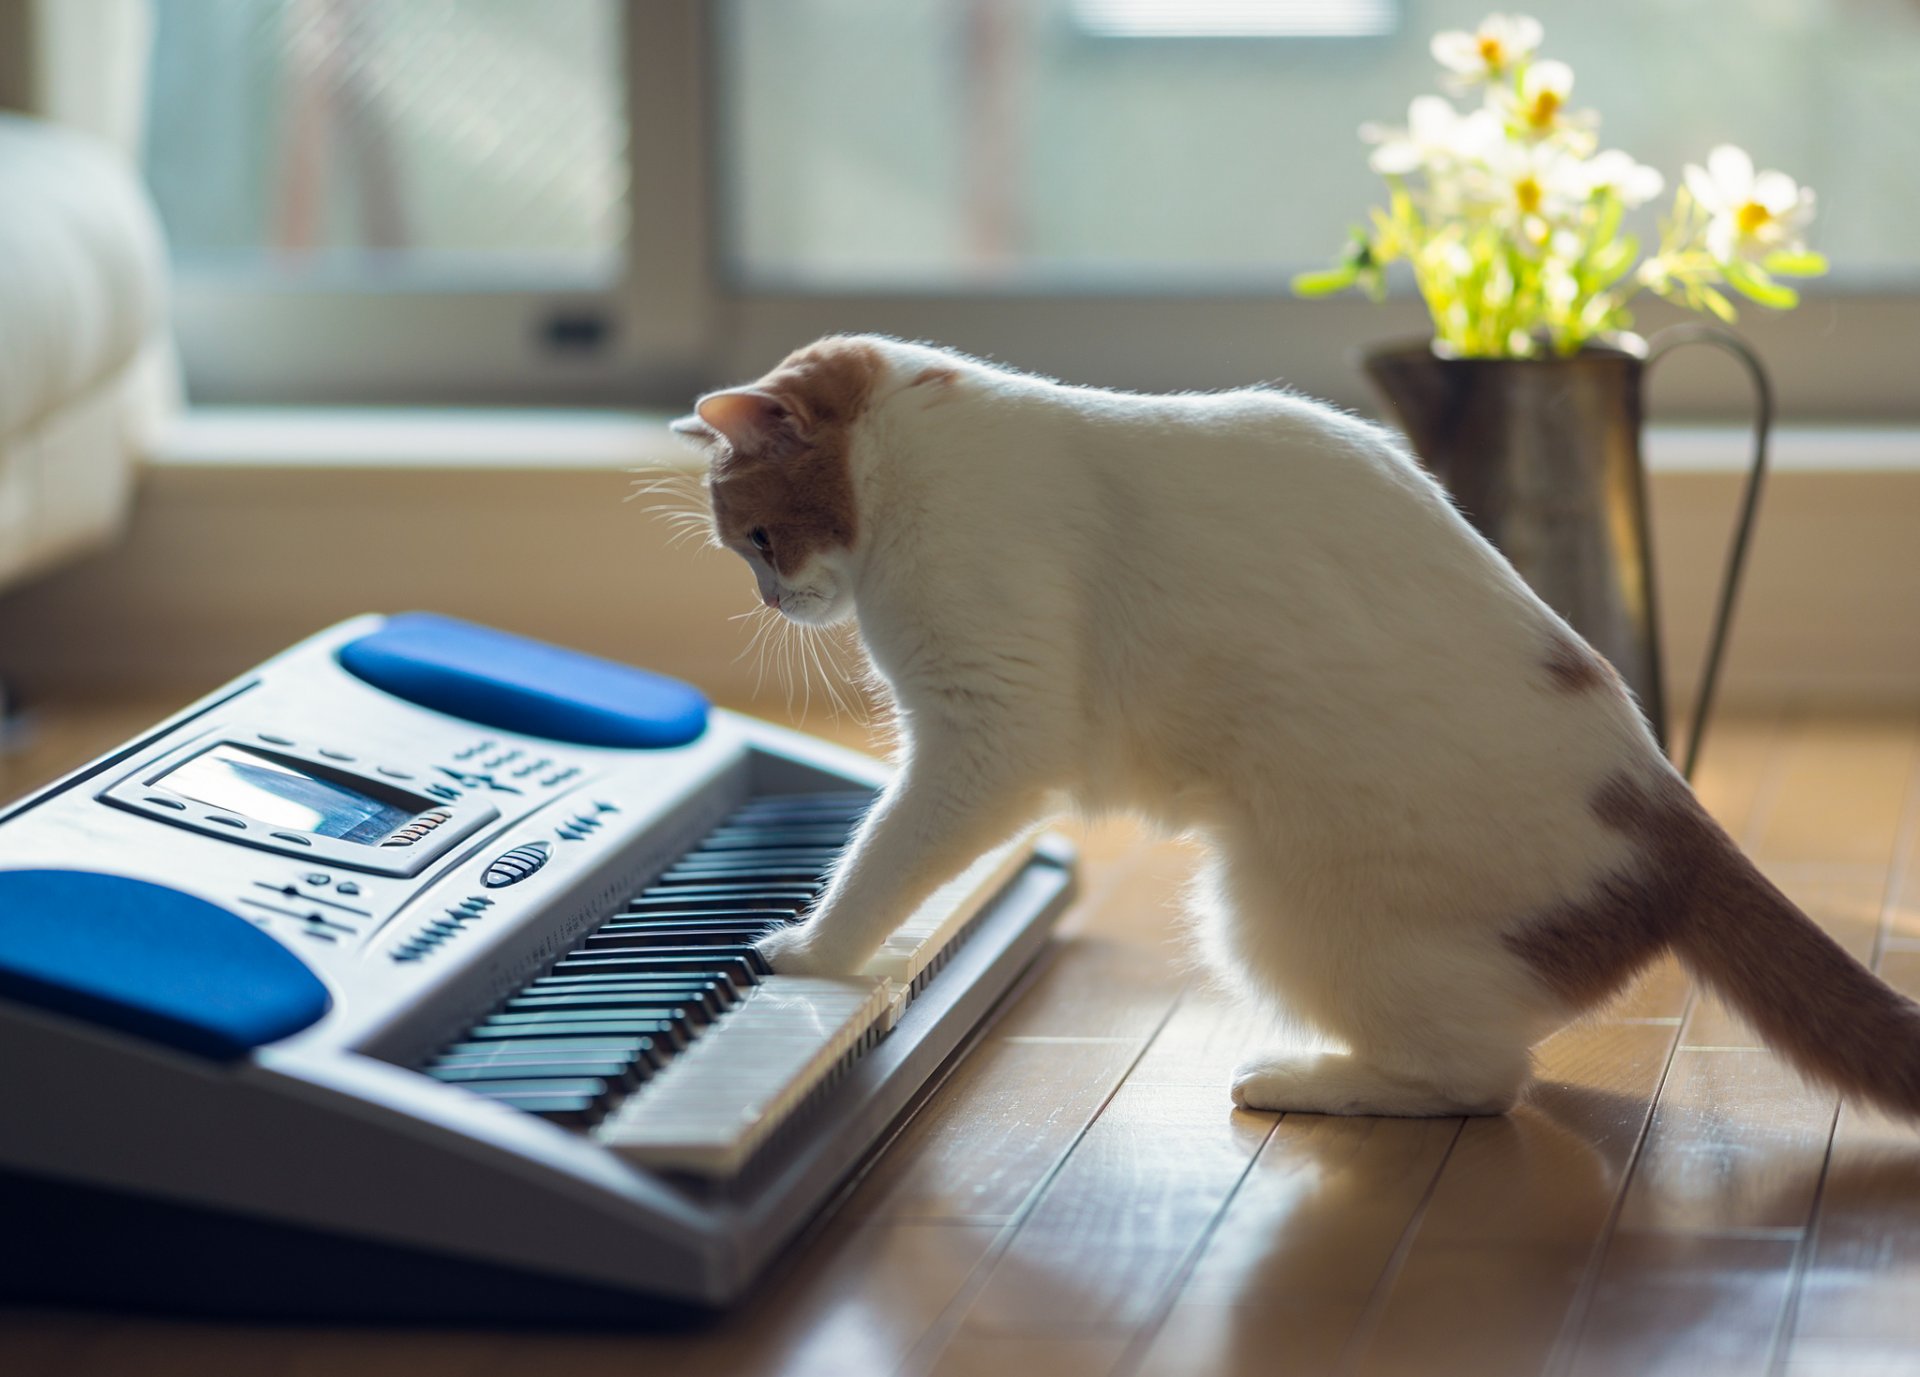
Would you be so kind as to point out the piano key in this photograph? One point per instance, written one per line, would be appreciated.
(716, 1104)
(750, 865)
(564, 1107)
(787, 873)
(641, 922)
(692, 1010)
(657, 1028)
(742, 965)
(542, 1018)
(836, 804)
(735, 889)
(723, 895)
(911, 951)
(715, 994)
(731, 840)
(769, 849)
(742, 934)
(612, 1070)
(654, 1053)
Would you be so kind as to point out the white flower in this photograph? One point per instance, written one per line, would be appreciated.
(1538, 110)
(1436, 136)
(1488, 52)
(1530, 186)
(1634, 183)
(1751, 216)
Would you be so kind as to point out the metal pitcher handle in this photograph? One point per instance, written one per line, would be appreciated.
(1661, 344)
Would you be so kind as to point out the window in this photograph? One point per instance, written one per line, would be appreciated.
(1119, 190)
(1142, 144)
(616, 200)
(398, 200)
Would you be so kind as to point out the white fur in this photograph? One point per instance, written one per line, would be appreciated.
(1249, 618)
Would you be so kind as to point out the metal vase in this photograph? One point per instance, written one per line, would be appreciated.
(1543, 457)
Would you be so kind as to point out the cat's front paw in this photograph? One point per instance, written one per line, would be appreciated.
(797, 950)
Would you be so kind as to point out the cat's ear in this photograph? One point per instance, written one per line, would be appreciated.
(745, 417)
(694, 429)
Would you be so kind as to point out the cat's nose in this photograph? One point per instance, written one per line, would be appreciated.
(771, 600)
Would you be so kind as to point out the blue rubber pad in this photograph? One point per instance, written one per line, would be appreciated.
(519, 685)
(149, 961)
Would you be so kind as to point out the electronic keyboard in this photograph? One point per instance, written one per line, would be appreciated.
(412, 976)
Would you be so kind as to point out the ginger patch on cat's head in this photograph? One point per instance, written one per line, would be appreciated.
(780, 473)
(780, 480)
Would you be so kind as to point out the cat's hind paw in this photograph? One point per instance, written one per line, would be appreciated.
(1334, 1083)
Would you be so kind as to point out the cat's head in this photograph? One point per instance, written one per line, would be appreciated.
(779, 475)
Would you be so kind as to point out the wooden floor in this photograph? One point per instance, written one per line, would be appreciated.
(1080, 1198)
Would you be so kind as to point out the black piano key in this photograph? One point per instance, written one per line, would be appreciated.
(725, 892)
(721, 962)
(658, 1028)
(753, 855)
(739, 962)
(534, 1025)
(667, 917)
(693, 1011)
(836, 802)
(562, 1106)
(772, 839)
(654, 929)
(787, 873)
(715, 902)
(649, 1050)
(686, 1015)
(739, 934)
(717, 995)
(612, 1070)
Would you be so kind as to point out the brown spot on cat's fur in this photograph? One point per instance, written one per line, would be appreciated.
(939, 378)
(1577, 667)
(794, 480)
(1693, 890)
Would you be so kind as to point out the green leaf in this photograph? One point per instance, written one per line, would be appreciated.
(1796, 264)
(1327, 281)
(1707, 297)
(1755, 285)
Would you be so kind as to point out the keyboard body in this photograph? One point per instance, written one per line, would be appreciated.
(165, 1160)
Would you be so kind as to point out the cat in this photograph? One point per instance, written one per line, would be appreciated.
(1436, 825)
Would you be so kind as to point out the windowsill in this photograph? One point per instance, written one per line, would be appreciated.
(542, 440)
(416, 438)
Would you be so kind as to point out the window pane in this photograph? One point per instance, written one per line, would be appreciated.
(934, 143)
(433, 137)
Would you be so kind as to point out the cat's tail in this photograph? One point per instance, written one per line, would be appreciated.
(1827, 1014)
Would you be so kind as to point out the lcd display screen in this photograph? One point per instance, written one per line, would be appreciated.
(284, 794)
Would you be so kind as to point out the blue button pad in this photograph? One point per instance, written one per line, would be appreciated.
(515, 684)
(150, 962)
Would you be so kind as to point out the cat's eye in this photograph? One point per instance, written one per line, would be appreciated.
(761, 541)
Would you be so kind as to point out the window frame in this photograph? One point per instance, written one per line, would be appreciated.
(686, 316)
(252, 341)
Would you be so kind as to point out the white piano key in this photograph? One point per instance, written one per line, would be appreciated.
(712, 1106)
(715, 1104)
(917, 943)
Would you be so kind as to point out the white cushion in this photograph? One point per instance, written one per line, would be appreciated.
(82, 270)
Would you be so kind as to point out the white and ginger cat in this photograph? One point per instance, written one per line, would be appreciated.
(1437, 826)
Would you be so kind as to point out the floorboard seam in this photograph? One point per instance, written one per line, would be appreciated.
(1369, 1320)
(926, 1351)
(1906, 837)
(1148, 1330)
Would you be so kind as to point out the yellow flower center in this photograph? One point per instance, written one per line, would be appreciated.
(1528, 193)
(1492, 53)
(1545, 107)
(1752, 217)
